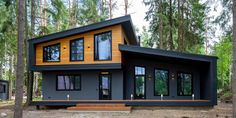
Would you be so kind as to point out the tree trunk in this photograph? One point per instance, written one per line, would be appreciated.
(0, 70)
(33, 18)
(110, 8)
(126, 6)
(10, 77)
(234, 60)
(18, 113)
(179, 27)
(170, 20)
(182, 25)
(161, 27)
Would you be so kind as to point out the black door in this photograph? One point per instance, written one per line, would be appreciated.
(105, 87)
(139, 83)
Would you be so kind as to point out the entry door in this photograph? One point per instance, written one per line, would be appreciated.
(105, 87)
(139, 83)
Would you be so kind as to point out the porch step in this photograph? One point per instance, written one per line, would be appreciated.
(100, 107)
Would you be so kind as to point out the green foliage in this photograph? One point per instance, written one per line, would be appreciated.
(223, 50)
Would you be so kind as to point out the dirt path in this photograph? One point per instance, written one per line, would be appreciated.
(219, 111)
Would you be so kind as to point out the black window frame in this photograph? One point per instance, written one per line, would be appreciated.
(44, 60)
(144, 75)
(4, 88)
(76, 53)
(192, 79)
(94, 49)
(168, 82)
(69, 85)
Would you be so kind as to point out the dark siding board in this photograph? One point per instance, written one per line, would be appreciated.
(89, 85)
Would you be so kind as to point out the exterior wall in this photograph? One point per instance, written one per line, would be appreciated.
(89, 85)
(117, 38)
(173, 68)
(4, 96)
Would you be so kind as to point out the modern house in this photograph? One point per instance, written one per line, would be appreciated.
(4, 89)
(103, 63)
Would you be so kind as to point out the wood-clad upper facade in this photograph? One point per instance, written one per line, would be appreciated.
(88, 41)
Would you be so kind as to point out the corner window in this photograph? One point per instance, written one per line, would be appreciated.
(184, 83)
(68, 82)
(51, 53)
(161, 82)
(102, 46)
(77, 50)
(2, 88)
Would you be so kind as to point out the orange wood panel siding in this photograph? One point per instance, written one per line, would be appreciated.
(117, 38)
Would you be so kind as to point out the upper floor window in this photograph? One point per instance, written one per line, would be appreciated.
(102, 46)
(51, 53)
(184, 83)
(77, 50)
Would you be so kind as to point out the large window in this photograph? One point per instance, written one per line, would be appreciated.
(102, 46)
(2, 88)
(68, 82)
(185, 81)
(139, 82)
(77, 50)
(161, 82)
(51, 53)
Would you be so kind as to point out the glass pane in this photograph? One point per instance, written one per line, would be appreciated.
(161, 82)
(77, 82)
(71, 78)
(139, 86)
(67, 82)
(105, 82)
(103, 46)
(139, 70)
(52, 53)
(60, 83)
(184, 84)
(77, 50)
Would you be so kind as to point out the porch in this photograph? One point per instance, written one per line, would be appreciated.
(145, 102)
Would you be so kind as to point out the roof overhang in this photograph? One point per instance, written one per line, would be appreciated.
(125, 21)
(165, 53)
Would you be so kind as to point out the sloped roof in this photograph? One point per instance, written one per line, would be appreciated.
(125, 21)
(165, 53)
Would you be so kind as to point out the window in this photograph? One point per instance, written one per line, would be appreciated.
(77, 50)
(68, 82)
(102, 46)
(184, 84)
(139, 82)
(51, 53)
(161, 82)
(2, 88)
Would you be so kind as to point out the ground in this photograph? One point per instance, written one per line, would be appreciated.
(222, 110)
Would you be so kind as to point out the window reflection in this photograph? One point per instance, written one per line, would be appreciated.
(77, 50)
(185, 84)
(103, 46)
(51, 53)
(161, 82)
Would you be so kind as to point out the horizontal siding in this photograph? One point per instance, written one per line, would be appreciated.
(117, 38)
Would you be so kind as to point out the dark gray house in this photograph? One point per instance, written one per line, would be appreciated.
(103, 63)
(3, 90)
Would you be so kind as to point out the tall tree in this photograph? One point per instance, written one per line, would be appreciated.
(234, 60)
(18, 113)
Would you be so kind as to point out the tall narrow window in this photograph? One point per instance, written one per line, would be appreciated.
(139, 82)
(185, 84)
(77, 50)
(102, 46)
(161, 82)
(51, 53)
(68, 82)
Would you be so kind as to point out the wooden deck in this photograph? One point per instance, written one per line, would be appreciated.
(146, 102)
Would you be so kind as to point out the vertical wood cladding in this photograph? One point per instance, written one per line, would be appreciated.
(117, 38)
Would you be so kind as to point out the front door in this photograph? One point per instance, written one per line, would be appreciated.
(104, 87)
(139, 83)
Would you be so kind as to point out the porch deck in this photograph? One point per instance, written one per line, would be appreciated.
(127, 102)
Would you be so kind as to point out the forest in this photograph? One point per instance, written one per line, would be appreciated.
(176, 25)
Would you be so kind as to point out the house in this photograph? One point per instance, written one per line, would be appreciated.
(103, 63)
(3, 89)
